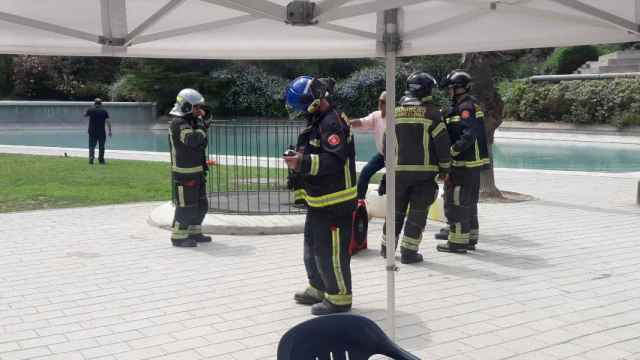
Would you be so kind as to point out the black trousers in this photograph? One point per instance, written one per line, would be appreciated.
(93, 140)
(461, 205)
(191, 205)
(326, 255)
(415, 192)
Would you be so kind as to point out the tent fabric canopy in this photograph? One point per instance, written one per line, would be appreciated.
(256, 29)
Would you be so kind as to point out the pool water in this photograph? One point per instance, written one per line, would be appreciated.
(524, 154)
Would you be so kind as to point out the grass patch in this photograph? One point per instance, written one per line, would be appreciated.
(44, 182)
(30, 182)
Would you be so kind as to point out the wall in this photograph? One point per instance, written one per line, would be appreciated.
(71, 113)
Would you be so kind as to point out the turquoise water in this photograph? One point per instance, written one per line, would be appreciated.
(549, 155)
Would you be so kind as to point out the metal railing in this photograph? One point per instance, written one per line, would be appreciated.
(250, 177)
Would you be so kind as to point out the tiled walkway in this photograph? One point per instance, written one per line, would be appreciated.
(555, 278)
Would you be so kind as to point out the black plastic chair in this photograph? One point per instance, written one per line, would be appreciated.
(338, 337)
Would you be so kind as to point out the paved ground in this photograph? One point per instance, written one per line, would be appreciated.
(556, 278)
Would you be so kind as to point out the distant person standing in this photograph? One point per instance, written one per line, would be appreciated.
(373, 122)
(97, 119)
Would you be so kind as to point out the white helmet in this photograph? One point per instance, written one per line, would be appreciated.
(184, 102)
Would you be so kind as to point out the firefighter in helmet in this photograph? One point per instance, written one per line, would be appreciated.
(188, 144)
(323, 165)
(465, 124)
(422, 154)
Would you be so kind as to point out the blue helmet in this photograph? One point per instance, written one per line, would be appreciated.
(299, 96)
(304, 93)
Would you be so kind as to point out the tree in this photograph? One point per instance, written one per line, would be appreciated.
(481, 66)
(6, 75)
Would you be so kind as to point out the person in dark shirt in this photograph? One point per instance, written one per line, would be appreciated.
(98, 117)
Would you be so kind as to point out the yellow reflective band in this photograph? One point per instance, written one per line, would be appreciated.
(456, 196)
(314, 142)
(191, 170)
(314, 292)
(173, 149)
(453, 119)
(326, 200)
(347, 174)
(420, 120)
(339, 299)
(425, 145)
(181, 202)
(477, 150)
(194, 229)
(454, 152)
(410, 243)
(423, 168)
(204, 134)
(177, 233)
(337, 267)
(445, 165)
(456, 236)
(184, 133)
(470, 164)
(438, 129)
(315, 164)
(479, 114)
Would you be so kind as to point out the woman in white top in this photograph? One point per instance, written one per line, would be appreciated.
(376, 123)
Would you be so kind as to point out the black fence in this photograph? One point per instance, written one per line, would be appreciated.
(250, 177)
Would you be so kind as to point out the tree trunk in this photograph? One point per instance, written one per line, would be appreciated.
(481, 67)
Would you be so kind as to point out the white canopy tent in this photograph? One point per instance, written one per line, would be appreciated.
(256, 29)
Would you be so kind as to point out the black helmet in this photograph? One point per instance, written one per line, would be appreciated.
(458, 79)
(420, 84)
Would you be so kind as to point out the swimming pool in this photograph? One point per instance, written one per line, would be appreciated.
(508, 153)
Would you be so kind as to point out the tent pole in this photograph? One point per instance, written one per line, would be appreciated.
(391, 47)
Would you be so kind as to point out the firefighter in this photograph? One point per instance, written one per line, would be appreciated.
(465, 124)
(188, 144)
(422, 154)
(323, 165)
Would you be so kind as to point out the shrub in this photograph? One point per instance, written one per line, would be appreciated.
(568, 60)
(614, 102)
(358, 94)
(245, 90)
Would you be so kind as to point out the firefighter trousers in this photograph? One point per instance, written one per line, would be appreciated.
(191, 203)
(326, 255)
(461, 195)
(415, 192)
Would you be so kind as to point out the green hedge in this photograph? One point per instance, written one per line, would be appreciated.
(358, 94)
(569, 59)
(615, 102)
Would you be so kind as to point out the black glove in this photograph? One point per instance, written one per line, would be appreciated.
(382, 188)
(291, 180)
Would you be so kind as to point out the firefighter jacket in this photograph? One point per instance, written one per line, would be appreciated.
(465, 124)
(188, 144)
(423, 141)
(326, 178)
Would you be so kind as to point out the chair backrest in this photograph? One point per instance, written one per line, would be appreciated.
(338, 337)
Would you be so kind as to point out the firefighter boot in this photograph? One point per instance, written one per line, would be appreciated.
(184, 243)
(200, 238)
(410, 256)
(443, 234)
(309, 296)
(472, 244)
(326, 308)
(452, 248)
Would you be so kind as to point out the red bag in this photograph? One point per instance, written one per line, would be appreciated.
(360, 223)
